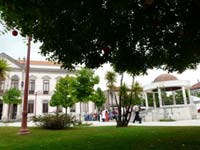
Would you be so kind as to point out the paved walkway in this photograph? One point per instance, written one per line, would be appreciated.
(173, 123)
(113, 123)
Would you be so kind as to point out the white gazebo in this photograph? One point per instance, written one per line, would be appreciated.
(169, 85)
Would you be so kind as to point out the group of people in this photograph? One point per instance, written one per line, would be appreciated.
(106, 115)
(102, 116)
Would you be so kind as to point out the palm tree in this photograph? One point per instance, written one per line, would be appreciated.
(111, 79)
(137, 89)
(3, 68)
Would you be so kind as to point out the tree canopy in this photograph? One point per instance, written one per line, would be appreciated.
(12, 96)
(64, 93)
(132, 35)
(85, 84)
(99, 98)
(3, 68)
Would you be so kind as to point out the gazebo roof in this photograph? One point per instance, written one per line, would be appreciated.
(168, 82)
(164, 77)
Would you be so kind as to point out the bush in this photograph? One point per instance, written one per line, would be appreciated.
(167, 120)
(54, 121)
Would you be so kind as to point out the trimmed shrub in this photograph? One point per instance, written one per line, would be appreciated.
(54, 121)
(166, 120)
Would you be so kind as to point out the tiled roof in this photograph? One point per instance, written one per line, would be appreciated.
(165, 77)
(196, 86)
(36, 62)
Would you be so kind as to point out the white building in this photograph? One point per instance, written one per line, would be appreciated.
(42, 80)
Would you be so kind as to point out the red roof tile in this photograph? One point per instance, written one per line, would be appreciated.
(36, 62)
(165, 77)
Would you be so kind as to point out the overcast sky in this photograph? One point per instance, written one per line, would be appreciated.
(15, 46)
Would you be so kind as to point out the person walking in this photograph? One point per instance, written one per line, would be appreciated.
(106, 116)
(137, 111)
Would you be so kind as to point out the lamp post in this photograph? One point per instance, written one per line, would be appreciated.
(24, 129)
(35, 104)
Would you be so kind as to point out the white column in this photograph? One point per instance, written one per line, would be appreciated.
(189, 96)
(160, 97)
(184, 95)
(174, 97)
(146, 100)
(154, 100)
(5, 112)
(19, 112)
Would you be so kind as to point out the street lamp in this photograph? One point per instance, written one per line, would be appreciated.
(35, 104)
(24, 129)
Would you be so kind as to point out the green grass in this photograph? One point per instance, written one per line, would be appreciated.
(102, 138)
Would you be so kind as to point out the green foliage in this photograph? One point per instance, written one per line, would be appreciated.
(198, 94)
(99, 98)
(125, 97)
(3, 68)
(85, 84)
(12, 96)
(64, 94)
(132, 35)
(150, 99)
(131, 98)
(54, 121)
(111, 79)
(179, 97)
(167, 120)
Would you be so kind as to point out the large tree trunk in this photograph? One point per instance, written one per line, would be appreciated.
(80, 114)
(119, 118)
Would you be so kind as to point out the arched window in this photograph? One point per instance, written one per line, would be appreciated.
(15, 82)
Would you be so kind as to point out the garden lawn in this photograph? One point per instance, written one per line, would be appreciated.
(102, 138)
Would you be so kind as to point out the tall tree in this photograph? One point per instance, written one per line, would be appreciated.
(99, 98)
(10, 97)
(64, 94)
(111, 78)
(3, 68)
(128, 97)
(132, 35)
(85, 86)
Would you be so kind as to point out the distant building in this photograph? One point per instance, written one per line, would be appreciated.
(43, 77)
(195, 89)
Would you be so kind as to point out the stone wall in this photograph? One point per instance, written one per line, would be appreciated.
(178, 112)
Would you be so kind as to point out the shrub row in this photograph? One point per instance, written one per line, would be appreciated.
(54, 121)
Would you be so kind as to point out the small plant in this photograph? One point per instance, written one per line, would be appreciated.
(167, 120)
(54, 121)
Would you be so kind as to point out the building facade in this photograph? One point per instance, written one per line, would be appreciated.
(43, 77)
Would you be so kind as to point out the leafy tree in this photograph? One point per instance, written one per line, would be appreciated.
(99, 98)
(132, 35)
(85, 85)
(12, 96)
(64, 94)
(110, 77)
(3, 68)
(127, 99)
